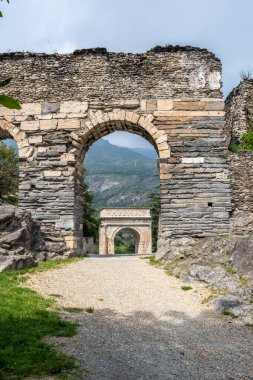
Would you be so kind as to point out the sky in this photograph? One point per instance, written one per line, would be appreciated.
(222, 26)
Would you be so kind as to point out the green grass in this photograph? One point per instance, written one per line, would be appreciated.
(25, 318)
(234, 148)
(243, 279)
(229, 268)
(186, 287)
(249, 325)
(230, 313)
(153, 261)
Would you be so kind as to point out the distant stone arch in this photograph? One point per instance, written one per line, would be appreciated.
(113, 220)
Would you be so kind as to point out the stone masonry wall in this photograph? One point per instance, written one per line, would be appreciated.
(239, 109)
(169, 96)
(97, 75)
(239, 112)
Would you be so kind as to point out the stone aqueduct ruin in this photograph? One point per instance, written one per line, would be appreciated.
(171, 96)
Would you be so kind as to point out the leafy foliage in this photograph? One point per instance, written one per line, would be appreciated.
(154, 203)
(91, 216)
(247, 139)
(124, 242)
(8, 174)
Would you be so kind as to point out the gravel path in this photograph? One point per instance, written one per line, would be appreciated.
(144, 325)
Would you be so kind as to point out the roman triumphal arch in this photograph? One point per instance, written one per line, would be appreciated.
(113, 220)
(171, 96)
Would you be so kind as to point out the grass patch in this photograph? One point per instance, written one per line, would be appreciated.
(214, 292)
(25, 318)
(249, 325)
(153, 261)
(230, 313)
(186, 287)
(229, 268)
(234, 148)
(73, 309)
(170, 272)
(243, 279)
(89, 310)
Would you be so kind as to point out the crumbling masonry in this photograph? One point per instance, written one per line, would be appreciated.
(171, 96)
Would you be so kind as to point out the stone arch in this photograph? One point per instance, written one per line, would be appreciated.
(12, 131)
(136, 232)
(113, 220)
(100, 123)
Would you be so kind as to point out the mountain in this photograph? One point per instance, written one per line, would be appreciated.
(151, 153)
(120, 177)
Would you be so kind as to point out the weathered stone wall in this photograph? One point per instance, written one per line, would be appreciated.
(241, 176)
(239, 110)
(97, 75)
(173, 100)
(239, 119)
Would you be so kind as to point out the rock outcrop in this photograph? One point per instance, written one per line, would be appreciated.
(21, 241)
(224, 264)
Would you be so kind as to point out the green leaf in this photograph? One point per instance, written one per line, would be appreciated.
(1, 15)
(9, 102)
(5, 82)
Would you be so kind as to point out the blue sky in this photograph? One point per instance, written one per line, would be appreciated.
(222, 26)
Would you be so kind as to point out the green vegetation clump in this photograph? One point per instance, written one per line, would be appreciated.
(230, 313)
(89, 310)
(153, 261)
(26, 318)
(247, 139)
(124, 241)
(234, 148)
(186, 287)
(8, 174)
(229, 268)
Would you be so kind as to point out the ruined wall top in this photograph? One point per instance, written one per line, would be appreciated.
(239, 110)
(100, 76)
(125, 213)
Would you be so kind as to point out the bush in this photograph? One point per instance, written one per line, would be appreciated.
(247, 139)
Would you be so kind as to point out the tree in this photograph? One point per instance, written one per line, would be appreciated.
(9, 175)
(154, 203)
(91, 216)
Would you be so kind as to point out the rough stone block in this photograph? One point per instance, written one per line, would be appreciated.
(48, 124)
(52, 173)
(165, 104)
(51, 107)
(193, 160)
(29, 126)
(69, 124)
(73, 107)
(35, 139)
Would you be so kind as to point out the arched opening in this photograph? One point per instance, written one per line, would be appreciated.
(92, 138)
(9, 169)
(126, 241)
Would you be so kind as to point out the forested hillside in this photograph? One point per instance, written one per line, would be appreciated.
(120, 176)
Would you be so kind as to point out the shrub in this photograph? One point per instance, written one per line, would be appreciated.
(247, 139)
